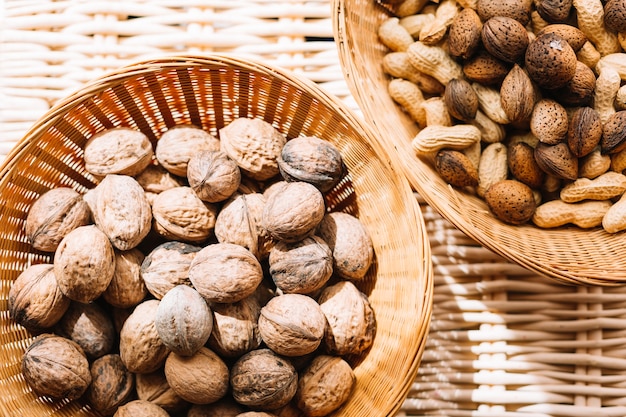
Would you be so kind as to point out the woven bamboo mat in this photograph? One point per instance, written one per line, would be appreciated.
(503, 342)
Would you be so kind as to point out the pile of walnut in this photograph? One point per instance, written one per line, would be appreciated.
(204, 278)
(521, 102)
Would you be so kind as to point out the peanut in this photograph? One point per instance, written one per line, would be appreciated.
(393, 35)
(590, 17)
(409, 97)
(436, 112)
(415, 23)
(586, 214)
(434, 32)
(410, 7)
(618, 161)
(433, 138)
(473, 153)
(608, 185)
(594, 164)
(434, 61)
(588, 55)
(615, 218)
(616, 61)
(537, 22)
(490, 103)
(397, 65)
(490, 131)
(493, 167)
(607, 84)
(468, 4)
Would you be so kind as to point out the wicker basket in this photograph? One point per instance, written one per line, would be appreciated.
(210, 91)
(568, 254)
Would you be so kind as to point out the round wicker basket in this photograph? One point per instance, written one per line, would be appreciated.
(210, 91)
(568, 254)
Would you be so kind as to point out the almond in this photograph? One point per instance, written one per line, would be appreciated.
(584, 131)
(549, 121)
(523, 166)
(505, 38)
(485, 69)
(461, 100)
(557, 160)
(554, 10)
(511, 201)
(580, 89)
(517, 95)
(456, 168)
(550, 61)
(615, 15)
(614, 133)
(574, 36)
(515, 9)
(464, 34)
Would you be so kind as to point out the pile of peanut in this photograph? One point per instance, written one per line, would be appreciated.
(201, 276)
(520, 102)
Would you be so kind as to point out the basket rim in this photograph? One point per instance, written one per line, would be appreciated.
(361, 128)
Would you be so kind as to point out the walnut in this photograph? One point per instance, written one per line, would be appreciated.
(153, 387)
(301, 267)
(200, 379)
(313, 160)
(167, 266)
(183, 320)
(179, 143)
(122, 211)
(180, 215)
(213, 176)
(141, 348)
(140, 408)
(352, 248)
(126, 288)
(53, 215)
(84, 264)
(351, 320)
(90, 326)
(225, 272)
(292, 324)
(118, 150)
(324, 386)
(156, 179)
(235, 328)
(111, 384)
(226, 407)
(56, 367)
(293, 211)
(263, 380)
(255, 145)
(35, 299)
(239, 222)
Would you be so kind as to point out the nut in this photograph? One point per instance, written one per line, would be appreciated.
(111, 384)
(574, 36)
(549, 122)
(313, 160)
(235, 328)
(301, 267)
(183, 320)
(456, 168)
(118, 150)
(584, 131)
(53, 215)
(514, 9)
(523, 166)
(350, 317)
(56, 367)
(550, 61)
(153, 387)
(184, 372)
(324, 386)
(226, 407)
(464, 34)
(179, 143)
(505, 38)
(155, 179)
(35, 300)
(485, 69)
(127, 288)
(557, 160)
(225, 272)
(167, 266)
(554, 10)
(90, 327)
(292, 212)
(292, 324)
(517, 96)
(255, 145)
(213, 176)
(263, 380)
(461, 100)
(578, 91)
(84, 264)
(614, 133)
(615, 15)
(605, 187)
(511, 201)
(556, 213)
(140, 408)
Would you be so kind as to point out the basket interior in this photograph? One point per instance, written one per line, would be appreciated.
(568, 254)
(210, 92)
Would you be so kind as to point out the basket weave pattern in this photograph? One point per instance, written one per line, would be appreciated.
(210, 92)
